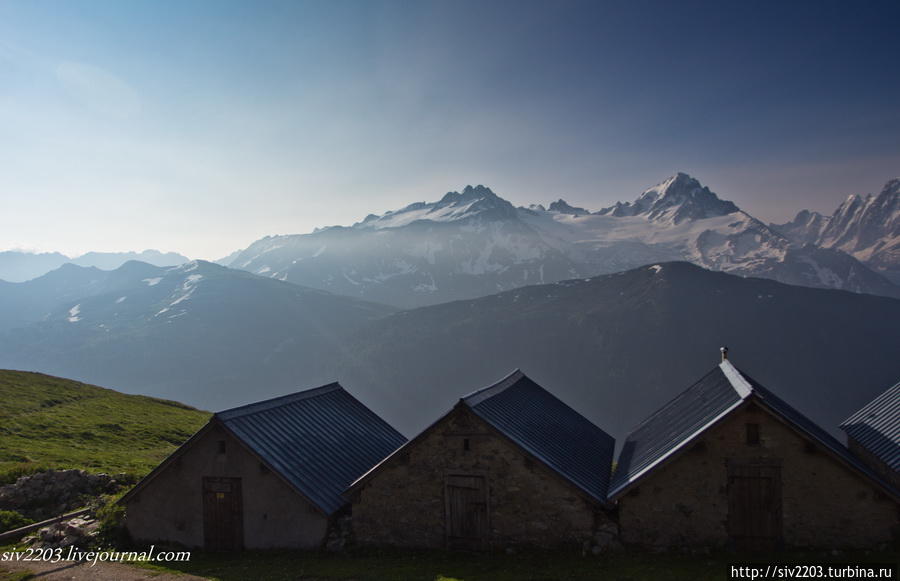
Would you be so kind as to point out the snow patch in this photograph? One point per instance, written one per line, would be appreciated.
(152, 281)
(187, 289)
(350, 280)
(426, 287)
(73, 314)
(656, 268)
(120, 299)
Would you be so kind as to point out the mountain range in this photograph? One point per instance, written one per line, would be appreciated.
(18, 266)
(198, 331)
(614, 346)
(865, 227)
(474, 243)
(615, 310)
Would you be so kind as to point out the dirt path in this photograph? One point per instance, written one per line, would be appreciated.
(84, 572)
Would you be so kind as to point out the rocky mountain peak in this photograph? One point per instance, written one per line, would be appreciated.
(469, 194)
(563, 207)
(679, 198)
(866, 227)
(473, 200)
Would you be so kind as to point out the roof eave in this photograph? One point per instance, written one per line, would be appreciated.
(587, 493)
(356, 484)
(674, 452)
(861, 469)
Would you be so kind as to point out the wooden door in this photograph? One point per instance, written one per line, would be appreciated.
(754, 505)
(466, 508)
(223, 514)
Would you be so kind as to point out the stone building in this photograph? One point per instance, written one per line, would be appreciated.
(873, 434)
(729, 464)
(265, 475)
(509, 465)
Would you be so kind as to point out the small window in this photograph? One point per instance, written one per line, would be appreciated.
(466, 444)
(753, 434)
(221, 446)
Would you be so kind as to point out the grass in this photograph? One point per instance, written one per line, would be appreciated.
(445, 566)
(50, 422)
(16, 576)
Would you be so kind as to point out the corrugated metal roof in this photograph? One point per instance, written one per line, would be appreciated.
(548, 429)
(711, 398)
(673, 425)
(877, 427)
(320, 440)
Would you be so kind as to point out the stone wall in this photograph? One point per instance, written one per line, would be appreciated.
(824, 503)
(170, 507)
(48, 494)
(875, 463)
(403, 503)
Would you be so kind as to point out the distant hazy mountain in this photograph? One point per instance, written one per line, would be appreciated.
(227, 260)
(113, 260)
(615, 346)
(35, 300)
(16, 266)
(199, 332)
(867, 228)
(467, 244)
(618, 346)
(475, 243)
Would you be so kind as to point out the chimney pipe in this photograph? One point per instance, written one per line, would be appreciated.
(724, 351)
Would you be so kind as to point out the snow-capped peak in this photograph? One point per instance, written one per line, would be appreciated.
(675, 200)
(563, 207)
(473, 201)
(866, 227)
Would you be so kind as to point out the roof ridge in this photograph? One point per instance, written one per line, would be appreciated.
(479, 395)
(737, 380)
(266, 404)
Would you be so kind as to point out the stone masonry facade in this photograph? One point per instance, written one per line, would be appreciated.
(825, 504)
(170, 507)
(403, 503)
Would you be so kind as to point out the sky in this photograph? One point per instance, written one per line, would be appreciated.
(199, 127)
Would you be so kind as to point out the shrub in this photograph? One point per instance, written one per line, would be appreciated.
(10, 475)
(111, 516)
(10, 519)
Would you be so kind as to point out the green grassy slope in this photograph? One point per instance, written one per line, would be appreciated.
(50, 422)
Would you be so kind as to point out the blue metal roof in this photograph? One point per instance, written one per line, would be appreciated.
(564, 440)
(877, 427)
(319, 440)
(711, 398)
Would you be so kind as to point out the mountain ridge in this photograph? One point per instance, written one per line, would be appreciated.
(475, 243)
(20, 266)
(616, 345)
(865, 227)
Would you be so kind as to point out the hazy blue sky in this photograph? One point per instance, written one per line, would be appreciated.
(202, 126)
